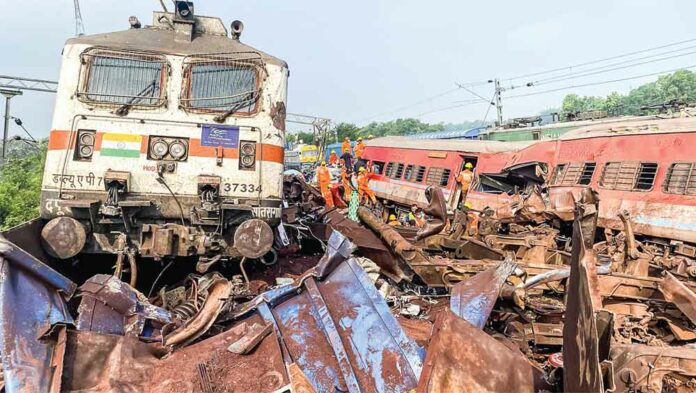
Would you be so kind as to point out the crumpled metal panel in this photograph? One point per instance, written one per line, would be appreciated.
(676, 292)
(473, 299)
(32, 302)
(462, 358)
(582, 372)
(342, 335)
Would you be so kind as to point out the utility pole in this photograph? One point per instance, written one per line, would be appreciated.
(8, 96)
(79, 25)
(498, 101)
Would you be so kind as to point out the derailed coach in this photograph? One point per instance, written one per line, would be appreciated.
(167, 141)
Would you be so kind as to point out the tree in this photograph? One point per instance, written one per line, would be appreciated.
(20, 185)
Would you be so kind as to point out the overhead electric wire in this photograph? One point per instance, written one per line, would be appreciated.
(599, 60)
(449, 108)
(602, 71)
(410, 105)
(600, 83)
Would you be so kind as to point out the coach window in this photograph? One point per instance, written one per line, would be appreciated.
(123, 78)
(221, 83)
(389, 170)
(408, 172)
(438, 177)
(377, 167)
(681, 179)
(419, 174)
(399, 171)
(628, 176)
(575, 173)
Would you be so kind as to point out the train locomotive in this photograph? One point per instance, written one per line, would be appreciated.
(167, 141)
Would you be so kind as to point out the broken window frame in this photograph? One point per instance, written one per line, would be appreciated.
(399, 171)
(233, 61)
(389, 169)
(438, 176)
(689, 184)
(571, 173)
(88, 75)
(626, 170)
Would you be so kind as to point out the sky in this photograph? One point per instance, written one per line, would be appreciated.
(377, 60)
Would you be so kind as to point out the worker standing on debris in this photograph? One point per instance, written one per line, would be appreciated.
(472, 220)
(323, 179)
(465, 178)
(363, 186)
(393, 221)
(359, 151)
(418, 215)
(345, 180)
(346, 155)
(345, 146)
(333, 158)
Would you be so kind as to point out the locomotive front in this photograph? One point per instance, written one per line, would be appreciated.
(167, 141)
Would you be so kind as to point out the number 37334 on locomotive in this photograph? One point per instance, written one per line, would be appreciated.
(167, 140)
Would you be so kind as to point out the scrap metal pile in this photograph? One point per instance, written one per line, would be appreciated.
(519, 305)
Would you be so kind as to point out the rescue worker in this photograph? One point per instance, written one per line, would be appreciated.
(345, 146)
(472, 220)
(418, 215)
(323, 179)
(363, 188)
(465, 178)
(333, 158)
(359, 149)
(393, 221)
(370, 137)
(345, 180)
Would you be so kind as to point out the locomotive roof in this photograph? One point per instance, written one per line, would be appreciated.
(636, 126)
(468, 145)
(209, 37)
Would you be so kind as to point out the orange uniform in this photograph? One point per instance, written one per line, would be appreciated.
(465, 178)
(363, 189)
(345, 147)
(333, 158)
(359, 149)
(323, 178)
(347, 188)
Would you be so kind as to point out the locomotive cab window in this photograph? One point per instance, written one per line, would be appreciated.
(628, 176)
(221, 84)
(681, 179)
(123, 78)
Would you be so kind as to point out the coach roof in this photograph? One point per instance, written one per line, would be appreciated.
(471, 146)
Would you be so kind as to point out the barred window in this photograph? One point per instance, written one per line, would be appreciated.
(628, 176)
(399, 170)
(409, 172)
(570, 174)
(420, 174)
(438, 176)
(389, 171)
(681, 179)
(123, 78)
(221, 83)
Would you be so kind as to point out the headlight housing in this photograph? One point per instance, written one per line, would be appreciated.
(164, 148)
(84, 147)
(247, 155)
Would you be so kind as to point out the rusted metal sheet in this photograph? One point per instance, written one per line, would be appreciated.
(462, 358)
(582, 372)
(676, 292)
(473, 299)
(33, 316)
(437, 209)
(641, 368)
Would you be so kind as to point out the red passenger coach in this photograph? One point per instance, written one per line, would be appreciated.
(405, 167)
(645, 167)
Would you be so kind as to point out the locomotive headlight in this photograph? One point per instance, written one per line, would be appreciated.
(159, 149)
(177, 150)
(84, 147)
(247, 155)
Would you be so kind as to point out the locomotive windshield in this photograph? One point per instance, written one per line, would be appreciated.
(122, 78)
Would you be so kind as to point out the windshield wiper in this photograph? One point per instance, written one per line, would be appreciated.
(253, 97)
(149, 89)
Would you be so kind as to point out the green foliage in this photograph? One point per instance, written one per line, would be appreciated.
(681, 85)
(399, 127)
(20, 185)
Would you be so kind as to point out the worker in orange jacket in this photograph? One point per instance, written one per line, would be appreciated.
(323, 179)
(359, 149)
(345, 180)
(363, 188)
(465, 178)
(333, 158)
(345, 146)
